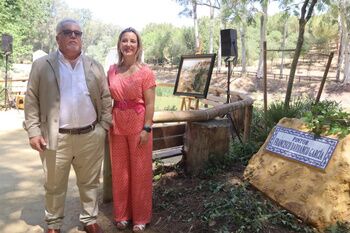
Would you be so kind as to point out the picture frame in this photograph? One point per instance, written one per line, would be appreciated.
(194, 74)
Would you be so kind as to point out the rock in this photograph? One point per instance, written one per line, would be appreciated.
(319, 197)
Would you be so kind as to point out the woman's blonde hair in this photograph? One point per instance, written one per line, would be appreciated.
(139, 46)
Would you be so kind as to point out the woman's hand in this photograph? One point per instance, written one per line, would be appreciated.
(143, 137)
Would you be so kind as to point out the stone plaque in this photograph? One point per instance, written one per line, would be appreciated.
(301, 146)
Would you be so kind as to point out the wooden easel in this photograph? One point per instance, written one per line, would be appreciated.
(189, 103)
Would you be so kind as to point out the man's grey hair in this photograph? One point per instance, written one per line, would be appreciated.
(65, 21)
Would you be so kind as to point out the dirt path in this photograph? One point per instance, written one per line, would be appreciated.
(21, 179)
(21, 185)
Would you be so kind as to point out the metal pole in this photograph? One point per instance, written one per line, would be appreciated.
(6, 67)
(265, 81)
(233, 128)
(228, 81)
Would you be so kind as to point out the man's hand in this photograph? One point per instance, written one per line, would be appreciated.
(37, 143)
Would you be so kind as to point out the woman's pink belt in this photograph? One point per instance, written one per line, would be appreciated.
(129, 104)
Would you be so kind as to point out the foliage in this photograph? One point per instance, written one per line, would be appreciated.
(163, 43)
(245, 209)
(204, 24)
(32, 23)
(2, 94)
(338, 228)
(296, 109)
(260, 127)
(220, 205)
(164, 91)
(327, 117)
(18, 18)
(165, 101)
(323, 31)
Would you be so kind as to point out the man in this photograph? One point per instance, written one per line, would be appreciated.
(67, 113)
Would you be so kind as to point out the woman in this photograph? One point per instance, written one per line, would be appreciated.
(132, 85)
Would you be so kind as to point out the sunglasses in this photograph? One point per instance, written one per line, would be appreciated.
(69, 33)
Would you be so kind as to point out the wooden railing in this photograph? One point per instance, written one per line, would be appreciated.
(170, 126)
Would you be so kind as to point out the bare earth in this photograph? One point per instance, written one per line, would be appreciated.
(21, 191)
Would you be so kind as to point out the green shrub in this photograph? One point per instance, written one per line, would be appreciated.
(261, 127)
(328, 117)
(276, 111)
(338, 228)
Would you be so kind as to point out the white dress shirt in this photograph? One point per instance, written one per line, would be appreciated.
(76, 108)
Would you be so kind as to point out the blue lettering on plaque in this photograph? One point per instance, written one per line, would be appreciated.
(301, 146)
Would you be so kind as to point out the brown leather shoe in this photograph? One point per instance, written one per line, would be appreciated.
(53, 231)
(93, 228)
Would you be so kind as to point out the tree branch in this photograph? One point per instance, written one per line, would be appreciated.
(311, 9)
(303, 9)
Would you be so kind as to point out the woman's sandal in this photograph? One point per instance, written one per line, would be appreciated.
(139, 228)
(122, 225)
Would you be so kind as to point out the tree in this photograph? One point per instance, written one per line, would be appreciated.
(305, 15)
(344, 46)
(163, 43)
(263, 22)
(19, 18)
(212, 4)
(191, 12)
(240, 13)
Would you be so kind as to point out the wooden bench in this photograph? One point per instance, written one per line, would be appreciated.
(168, 139)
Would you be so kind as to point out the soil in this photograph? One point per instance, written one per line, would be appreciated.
(177, 202)
(179, 199)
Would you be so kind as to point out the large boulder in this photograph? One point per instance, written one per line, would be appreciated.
(319, 197)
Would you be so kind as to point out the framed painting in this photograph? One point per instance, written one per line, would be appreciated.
(194, 74)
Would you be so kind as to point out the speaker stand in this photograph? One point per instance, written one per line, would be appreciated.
(5, 89)
(230, 117)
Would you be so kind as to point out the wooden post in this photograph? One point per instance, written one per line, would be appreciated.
(203, 140)
(324, 77)
(183, 104)
(248, 116)
(186, 103)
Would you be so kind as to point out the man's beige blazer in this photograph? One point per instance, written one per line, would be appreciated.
(42, 99)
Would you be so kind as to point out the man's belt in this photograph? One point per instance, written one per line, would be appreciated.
(82, 130)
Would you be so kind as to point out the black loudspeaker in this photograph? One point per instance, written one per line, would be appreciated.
(6, 43)
(229, 43)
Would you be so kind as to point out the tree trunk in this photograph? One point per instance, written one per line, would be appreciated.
(346, 63)
(244, 55)
(340, 50)
(211, 29)
(263, 22)
(195, 21)
(219, 53)
(343, 57)
(283, 46)
(302, 23)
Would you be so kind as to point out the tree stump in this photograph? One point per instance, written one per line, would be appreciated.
(204, 140)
